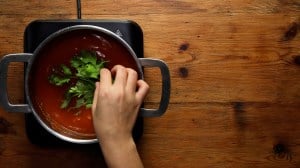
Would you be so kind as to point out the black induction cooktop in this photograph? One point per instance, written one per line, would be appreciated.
(38, 30)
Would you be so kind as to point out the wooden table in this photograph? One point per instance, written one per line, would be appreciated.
(235, 75)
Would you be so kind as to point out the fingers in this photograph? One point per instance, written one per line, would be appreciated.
(124, 77)
(143, 89)
(105, 77)
(95, 99)
(131, 80)
(120, 73)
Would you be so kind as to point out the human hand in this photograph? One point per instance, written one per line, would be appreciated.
(114, 110)
(116, 104)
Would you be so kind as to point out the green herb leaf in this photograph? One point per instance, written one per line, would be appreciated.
(66, 70)
(87, 65)
(57, 80)
(86, 68)
(67, 100)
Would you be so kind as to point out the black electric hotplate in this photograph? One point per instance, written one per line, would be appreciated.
(38, 30)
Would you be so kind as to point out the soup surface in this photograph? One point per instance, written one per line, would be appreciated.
(47, 98)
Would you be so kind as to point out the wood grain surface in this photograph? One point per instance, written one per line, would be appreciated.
(235, 76)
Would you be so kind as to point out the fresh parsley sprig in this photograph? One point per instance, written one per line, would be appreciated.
(81, 77)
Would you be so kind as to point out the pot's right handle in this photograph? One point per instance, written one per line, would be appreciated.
(21, 57)
(165, 95)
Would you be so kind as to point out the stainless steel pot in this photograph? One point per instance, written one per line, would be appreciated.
(31, 57)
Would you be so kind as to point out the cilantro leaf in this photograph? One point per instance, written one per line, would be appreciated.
(58, 80)
(84, 70)
(87, 65)
(67, 100)
(66, 70)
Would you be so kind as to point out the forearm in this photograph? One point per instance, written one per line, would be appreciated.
(120, 153)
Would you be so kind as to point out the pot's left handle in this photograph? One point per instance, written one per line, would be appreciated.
(4, 102)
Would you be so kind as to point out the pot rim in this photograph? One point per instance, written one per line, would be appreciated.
(36, 54)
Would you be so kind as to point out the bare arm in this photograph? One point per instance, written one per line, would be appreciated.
(115, 109)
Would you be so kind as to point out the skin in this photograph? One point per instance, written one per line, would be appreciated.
(115, 108)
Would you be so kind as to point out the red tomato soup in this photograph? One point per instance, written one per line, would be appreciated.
(47, 98)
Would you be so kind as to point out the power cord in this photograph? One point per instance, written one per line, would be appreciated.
(78, 9)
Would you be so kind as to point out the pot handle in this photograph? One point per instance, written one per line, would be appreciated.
(165, 94)
(4, 102)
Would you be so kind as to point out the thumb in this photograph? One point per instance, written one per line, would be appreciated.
(142, 91)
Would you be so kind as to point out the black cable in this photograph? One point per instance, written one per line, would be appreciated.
(78, 9)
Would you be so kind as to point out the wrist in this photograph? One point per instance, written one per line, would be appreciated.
(120, 152)
(117, 142)
(114, 137)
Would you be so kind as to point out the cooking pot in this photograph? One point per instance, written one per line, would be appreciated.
(34, 77)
